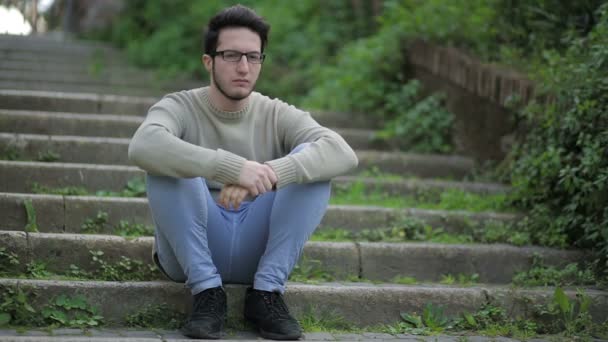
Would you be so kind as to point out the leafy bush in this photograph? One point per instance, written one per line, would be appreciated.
(167, 36)
(560, 170)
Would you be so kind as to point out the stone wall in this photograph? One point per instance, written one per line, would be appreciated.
(477, 93)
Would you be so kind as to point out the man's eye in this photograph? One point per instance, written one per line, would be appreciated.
(254, 56)
(231, 54)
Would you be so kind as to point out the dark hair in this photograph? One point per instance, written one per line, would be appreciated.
(235, 16)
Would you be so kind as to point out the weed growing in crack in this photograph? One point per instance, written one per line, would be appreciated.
(8, 262)
(31, 226)
(159, 316)
(60, 311)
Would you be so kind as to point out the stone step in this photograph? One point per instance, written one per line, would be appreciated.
(116, 126)
(58, 214)
(73, 68)
(426, 262)
(76, 149)
(78, 56)
(20, 176)
(75, 80)
(125, 334)
(83, 88)
(83, 103)
(359, 304)
(52, 44)
(75, 102)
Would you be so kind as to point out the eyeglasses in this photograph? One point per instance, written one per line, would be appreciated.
(235, 56)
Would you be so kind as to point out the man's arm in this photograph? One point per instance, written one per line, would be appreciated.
(327, 156)
(157, 148)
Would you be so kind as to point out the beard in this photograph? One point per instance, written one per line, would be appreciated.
(220, 87)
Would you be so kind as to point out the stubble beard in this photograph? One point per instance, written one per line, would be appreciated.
(219, 87)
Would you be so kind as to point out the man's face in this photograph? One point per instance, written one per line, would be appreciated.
(235, 80)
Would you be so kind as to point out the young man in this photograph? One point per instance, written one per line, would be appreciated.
(237, 182)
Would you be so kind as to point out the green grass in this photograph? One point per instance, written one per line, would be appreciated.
(451, 199)
(412, 230)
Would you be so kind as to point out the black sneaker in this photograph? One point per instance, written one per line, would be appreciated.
(208, 315)
(268, 312)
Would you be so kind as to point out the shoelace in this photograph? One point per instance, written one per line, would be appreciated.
(276, 306)
(207, 304)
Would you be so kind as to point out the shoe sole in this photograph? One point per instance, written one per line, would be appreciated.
(204, 336)
(272, 336)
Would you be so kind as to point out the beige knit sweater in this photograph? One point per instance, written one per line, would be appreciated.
(184, 136)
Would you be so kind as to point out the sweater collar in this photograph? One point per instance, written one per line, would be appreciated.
(224, 114)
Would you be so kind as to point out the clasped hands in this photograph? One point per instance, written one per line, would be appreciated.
(255, 179)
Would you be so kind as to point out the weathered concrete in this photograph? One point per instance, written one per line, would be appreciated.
(157, 335)
(93, 125)
(59, 251)
(116, 90)
(144, 80)
(115, 126)
(135, 210)
(429, 166)
(19, 176)
(373, 261)
(75, 102)
(494, 263)
(72, 149)
(49, 209)
(114, 151)
(362, 305)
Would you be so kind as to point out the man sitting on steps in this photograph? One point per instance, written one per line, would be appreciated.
(236, 181)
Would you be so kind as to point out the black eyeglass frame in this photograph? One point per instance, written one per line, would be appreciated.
(241, 54)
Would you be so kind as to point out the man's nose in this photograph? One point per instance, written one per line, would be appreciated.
(243, 65)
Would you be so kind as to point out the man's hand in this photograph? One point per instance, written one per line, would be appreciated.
(232, 194)
(257, 178)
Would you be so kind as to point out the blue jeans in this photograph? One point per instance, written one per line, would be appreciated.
(205, 245)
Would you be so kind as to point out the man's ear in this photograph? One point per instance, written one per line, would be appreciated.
(207, 62)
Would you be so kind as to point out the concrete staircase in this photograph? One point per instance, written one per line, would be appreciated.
(77, 104)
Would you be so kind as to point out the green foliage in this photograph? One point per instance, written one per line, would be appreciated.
(431, 321)
(166, 35)
(37, 269)
(412, 229)
(570, 316)
(313, 320)
(404, 280)
(61, 311)
(451, 199)
(542, 275)
(124, 270)
(48, 156)
(8, 261)
(31, 225)
(96, 224)
(11, 152)
(460, 279)
(130, 230)
(135, 187)
(310, 271)
(560, 170)
(64, 191)
(419, 126)
(99, 224)
(71, 312)
(159, 316)
(491, 320)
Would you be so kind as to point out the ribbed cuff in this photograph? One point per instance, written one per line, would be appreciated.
(285, 170)
(229, 167)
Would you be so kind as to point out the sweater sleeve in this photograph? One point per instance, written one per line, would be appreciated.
(327, 156)
(157, 147)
